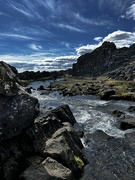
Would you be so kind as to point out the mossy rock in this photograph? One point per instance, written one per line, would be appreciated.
(79, 161)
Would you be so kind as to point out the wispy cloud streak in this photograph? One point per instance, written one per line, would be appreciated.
(18, 36)
(131, 11)
(26, 8)
(69, 27)
(96, 22)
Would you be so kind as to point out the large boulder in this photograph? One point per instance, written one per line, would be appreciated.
(65, 146)
(17, 113)
(64, 114)
(49, 169)
(17, 109)
(105, 95)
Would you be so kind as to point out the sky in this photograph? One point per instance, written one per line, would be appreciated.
(51, 34)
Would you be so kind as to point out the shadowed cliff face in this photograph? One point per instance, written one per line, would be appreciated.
(104, 60)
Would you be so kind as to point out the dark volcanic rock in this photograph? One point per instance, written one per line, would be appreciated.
(16, 114)
(47, 137)
(17, 109)
(105, 95)
(64, 114)
(127, 124)
(8, 80)
(110, 158)
(49, 169)
(27, 141)
(107, 60)
(41, 88)
(118, 113)
(131, 109)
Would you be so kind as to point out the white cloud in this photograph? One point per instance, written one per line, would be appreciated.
(31, 31)
(35, 47)
(131, 11)
(69, 27)
(66, 44)
(98, 38)
(114, 5)
(39, 61)
(27, 8)
(86, 49)
(66, 58)
(96, 22)
(18, 36)
(20, 8)
(120, 38)
(50, 4)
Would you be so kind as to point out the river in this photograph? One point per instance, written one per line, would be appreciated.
(90, 112)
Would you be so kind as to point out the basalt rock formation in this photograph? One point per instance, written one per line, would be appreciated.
(107, 60)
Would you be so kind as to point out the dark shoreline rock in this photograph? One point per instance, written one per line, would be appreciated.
(17, 109)
(109, 157)
(131, 109)
(128, 123)
(44, 144)
(48, 137)
(48, 169)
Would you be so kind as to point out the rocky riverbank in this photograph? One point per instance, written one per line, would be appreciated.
(104, 87)
(35, 145)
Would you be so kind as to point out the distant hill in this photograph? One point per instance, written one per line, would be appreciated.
(107, 60)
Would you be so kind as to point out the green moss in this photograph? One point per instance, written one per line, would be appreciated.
(79, 162)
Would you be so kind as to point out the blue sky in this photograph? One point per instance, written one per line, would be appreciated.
(51, 34)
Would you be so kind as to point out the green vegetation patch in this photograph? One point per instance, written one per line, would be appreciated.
(79, 162)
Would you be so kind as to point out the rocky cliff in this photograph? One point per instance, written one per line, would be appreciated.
(107, 60)
(34, 145)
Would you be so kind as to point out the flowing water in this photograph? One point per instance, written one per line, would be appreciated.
(90, 112)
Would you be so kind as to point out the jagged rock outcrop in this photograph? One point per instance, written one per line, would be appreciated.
(17, 109)
(107, 60)
(8, 80)
(32, 145)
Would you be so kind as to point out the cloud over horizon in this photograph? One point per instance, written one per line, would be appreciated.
(119, 38)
